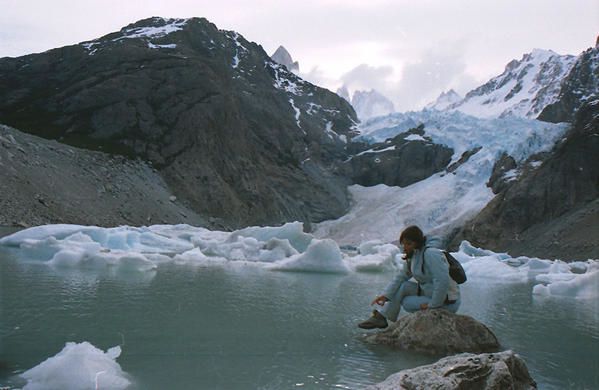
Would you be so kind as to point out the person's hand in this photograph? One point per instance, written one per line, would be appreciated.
(423, 306)
(379, 300)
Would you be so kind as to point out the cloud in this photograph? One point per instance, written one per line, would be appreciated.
(366, 77)
(422, 80)
(438, 70)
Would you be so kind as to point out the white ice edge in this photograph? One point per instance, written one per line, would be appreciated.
(283, 248)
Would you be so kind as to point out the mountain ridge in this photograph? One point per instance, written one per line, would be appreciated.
(235, 134)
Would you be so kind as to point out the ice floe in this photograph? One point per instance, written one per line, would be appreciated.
(285, 248)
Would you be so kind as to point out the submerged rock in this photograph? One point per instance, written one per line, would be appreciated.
(438, 332)
(489, 371)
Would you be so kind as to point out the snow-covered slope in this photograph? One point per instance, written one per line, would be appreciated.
(523, 89)
(444, 201)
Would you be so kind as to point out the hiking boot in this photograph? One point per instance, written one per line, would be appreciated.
(377, 320)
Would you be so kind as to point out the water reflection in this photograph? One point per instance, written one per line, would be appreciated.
(239, 326)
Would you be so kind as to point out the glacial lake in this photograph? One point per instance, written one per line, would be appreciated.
(236, 326)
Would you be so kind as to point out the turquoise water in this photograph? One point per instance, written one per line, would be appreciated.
(243, 327)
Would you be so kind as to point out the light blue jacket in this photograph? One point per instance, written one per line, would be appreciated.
(435, 281)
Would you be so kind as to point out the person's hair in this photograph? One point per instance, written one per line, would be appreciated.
(414, 234)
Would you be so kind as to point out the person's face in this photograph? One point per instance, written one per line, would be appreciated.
(408, 247)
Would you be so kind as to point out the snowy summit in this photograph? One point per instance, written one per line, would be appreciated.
(523, 89)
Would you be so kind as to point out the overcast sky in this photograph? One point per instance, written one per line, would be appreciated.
(411, 50)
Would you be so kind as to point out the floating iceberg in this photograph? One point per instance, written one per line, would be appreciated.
(320, 256)
(78, 366)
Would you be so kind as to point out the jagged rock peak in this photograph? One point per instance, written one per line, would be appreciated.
(445, 100)
(282, 56)
(369, 104)
(344, 92)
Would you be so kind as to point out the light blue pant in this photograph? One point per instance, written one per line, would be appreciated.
(407, 296)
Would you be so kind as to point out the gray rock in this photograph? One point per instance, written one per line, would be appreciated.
(437, 332)
(394, 162)
(497, 181)
(490, 371)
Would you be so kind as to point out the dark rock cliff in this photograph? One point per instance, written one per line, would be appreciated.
(234, 135)
(396, 161)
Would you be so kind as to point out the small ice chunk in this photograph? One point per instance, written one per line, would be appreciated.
(197, 257)
(292, 231)
(78, 366)
(580, 286)
(374, 256)
(277, 249)
(321, 256)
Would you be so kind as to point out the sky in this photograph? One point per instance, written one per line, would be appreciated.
(409, 50)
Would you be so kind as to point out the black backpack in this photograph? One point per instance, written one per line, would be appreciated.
(456, 271)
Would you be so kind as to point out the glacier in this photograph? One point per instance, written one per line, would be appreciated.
(446, 200)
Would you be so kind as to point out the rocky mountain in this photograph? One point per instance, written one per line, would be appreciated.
(282, 56)
(444, 100)
(370, 104)
(552, 208)
(549, 205)
(580, 86)
(234, 135)
(524, 89)
(399, 161)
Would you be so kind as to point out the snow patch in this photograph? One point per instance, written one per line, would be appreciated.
(170, 26)
(414, 137)
(284, 80)
(297, 114)
(169, 46)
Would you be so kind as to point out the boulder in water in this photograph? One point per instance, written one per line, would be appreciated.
(489, 371)
(438, 332)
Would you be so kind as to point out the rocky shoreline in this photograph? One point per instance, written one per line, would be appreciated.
(46, 182)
